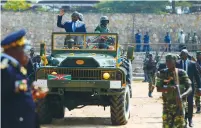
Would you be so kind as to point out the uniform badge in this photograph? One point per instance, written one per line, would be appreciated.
(23, 70)
(21, 86)
(4, 64)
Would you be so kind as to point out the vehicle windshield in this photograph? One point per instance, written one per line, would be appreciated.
(94, 41)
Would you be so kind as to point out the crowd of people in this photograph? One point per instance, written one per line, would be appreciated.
(191, 41)
(184, 71)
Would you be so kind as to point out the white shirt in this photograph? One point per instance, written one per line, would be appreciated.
(182, 38)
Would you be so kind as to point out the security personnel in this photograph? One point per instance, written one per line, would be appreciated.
(138, 41)
(150, 67)
(102, 27)
(173, 111)
(18, 108)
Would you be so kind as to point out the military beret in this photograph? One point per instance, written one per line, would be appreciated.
(14, 39)
(170, 57)
(198, 53)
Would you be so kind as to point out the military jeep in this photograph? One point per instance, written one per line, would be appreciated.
(86, 69)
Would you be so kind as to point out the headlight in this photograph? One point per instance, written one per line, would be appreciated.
(54, 73)
(106, 75)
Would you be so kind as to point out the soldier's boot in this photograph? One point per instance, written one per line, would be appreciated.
(151, 87)
(150, 94)
(151, 90)
(198, 110)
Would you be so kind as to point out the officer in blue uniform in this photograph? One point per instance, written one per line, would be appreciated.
(146, 42)
(18, 107)
(138, 41)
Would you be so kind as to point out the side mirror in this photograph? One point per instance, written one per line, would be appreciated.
(130, 53)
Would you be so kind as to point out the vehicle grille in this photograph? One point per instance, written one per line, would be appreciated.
(76, 74)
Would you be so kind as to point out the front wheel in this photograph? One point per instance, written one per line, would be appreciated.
(44, 111)
(120, 107)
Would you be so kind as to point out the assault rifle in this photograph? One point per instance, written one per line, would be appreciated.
(178, 98)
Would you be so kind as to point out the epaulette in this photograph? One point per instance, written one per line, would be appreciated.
(10, 59)
(7, 60)
(4, 63)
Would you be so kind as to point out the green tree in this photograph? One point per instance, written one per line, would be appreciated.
(132, 6)
(16, 5)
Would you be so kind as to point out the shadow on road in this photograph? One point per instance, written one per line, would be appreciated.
(82, 121)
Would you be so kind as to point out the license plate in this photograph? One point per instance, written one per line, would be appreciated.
(59, 77)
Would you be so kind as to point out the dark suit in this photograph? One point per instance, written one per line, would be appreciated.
(80, 27)
(193, 75)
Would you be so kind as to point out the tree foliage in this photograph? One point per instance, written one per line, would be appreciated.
(16, 5)
(183, 4)
(132, 6)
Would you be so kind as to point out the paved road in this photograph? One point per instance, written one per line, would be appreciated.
(145, 113)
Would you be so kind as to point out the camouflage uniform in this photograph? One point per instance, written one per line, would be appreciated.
(150, 68)
(173, 116)
(102, 27)
(144, 66)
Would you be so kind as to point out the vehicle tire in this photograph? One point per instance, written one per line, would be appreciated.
(59, 112)
(120, 107)
(129, 78)
(44, 112)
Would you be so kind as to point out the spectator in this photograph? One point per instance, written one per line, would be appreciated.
(194, 42)
(146, 42)
(181, 40)
(188, 40)
(138, 41)
(168, 42)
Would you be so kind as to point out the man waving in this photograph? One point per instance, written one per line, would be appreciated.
(71, 26)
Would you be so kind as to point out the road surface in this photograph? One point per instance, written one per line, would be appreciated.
(145, 113)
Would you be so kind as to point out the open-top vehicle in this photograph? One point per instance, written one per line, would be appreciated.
(86, 69)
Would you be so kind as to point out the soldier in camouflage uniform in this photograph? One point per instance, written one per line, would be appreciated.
(150, 68)
(102, 27)
(144, 66)
(173, 114)
(197, 98)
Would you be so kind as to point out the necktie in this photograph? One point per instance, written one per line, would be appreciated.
(185, 65)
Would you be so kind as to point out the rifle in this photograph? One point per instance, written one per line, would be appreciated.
(178, 98)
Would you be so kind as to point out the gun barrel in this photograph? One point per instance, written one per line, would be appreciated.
(179, 100)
